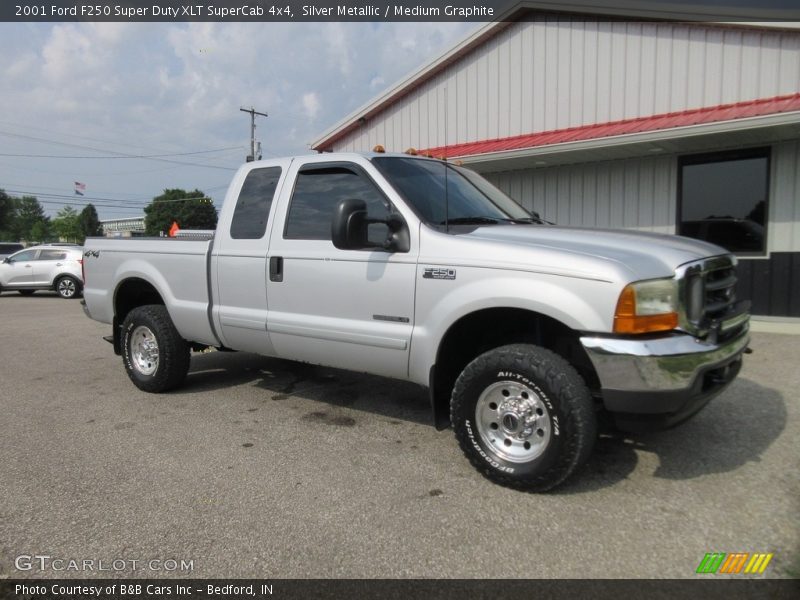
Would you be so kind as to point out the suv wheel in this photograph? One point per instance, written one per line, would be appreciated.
(156, 357)
(523, 417)
(67, 287)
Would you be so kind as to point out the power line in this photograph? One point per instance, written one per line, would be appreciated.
(119, 157)
(122, 154)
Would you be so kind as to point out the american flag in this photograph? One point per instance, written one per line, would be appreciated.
(80, 188)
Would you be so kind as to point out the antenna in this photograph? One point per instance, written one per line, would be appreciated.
(446, 194)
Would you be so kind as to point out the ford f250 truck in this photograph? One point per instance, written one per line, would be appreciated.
(417, 269)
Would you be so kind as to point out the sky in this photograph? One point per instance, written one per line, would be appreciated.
(108, 89)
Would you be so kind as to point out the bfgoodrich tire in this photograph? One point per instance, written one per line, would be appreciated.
(156, 358)
(523, 417)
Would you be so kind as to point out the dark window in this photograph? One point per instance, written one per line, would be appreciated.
(252, 207)
(317, 192)
(724, 199)
(52, 255)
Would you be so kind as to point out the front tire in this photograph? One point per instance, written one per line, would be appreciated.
(523, 417)
(156, 357)
(67, 287)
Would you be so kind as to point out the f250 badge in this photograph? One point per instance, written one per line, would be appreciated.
(438, 273)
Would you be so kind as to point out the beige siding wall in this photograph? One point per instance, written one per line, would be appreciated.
(544, 75)
(633, 194)
(641, 194)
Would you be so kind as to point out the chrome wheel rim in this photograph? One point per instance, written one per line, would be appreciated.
(144, 350)
(66, 287)
(513, 421)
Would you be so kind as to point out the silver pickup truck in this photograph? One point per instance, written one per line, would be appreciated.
(417, 269)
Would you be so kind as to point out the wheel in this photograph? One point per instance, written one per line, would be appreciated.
(26, 292)
(156, 357)
(67, 287)
(523, 417)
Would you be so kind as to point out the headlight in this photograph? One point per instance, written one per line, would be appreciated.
(647, 306)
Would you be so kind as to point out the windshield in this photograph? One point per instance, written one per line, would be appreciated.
(459, 197)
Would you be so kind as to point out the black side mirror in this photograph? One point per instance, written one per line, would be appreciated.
(349, 225)
(7, 260)
(350, 228)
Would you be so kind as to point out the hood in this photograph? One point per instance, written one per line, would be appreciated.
(596, 253)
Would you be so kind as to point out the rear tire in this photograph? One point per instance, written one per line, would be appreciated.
(156, 357)
(67, 287)
(523, 417)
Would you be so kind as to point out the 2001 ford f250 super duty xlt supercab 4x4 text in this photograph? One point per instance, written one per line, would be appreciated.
(417, 269)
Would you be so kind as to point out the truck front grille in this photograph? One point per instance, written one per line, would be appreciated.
(708, 293)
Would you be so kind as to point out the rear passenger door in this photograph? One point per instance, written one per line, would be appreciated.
(352, 309)
(239, 260)
(47, 265)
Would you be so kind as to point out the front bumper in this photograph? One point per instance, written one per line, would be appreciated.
(660, 382)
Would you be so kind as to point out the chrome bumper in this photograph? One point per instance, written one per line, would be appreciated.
(673, 374)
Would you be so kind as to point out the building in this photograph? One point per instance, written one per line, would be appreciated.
(124, 227)
(620, 121)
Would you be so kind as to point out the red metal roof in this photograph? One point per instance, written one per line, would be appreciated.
(698, 116)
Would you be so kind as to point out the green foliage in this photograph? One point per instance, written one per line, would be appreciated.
(31, 223)
(66, 225)
(89, 221)
(191, 210)
(8, 217)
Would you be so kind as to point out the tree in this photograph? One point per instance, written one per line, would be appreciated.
(89, 222)
(67, 226)
(191, 210)
(32, 224)
(8, 217)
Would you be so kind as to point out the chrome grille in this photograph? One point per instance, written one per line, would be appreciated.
(707, 293)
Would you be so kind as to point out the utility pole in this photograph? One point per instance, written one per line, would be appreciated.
(253, 112)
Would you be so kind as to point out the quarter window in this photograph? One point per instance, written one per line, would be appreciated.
(317, 192)
(724, 199)
(252, 207)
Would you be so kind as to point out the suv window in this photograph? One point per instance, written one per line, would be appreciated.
(319, 188)
(52, 255)
(252, 207)
(25, 256)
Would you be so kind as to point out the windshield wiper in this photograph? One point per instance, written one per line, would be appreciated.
(471, 221)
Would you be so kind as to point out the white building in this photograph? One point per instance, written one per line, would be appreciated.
(689, 128)
(124, 227)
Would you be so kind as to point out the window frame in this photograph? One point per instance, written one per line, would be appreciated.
(322, 166)
(721, 156)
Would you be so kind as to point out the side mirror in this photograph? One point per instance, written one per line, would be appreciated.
(349, 225)
(7, 260)
(350, 228)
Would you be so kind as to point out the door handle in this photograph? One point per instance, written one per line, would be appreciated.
(276, 268)
(28, 266)
(59, 264)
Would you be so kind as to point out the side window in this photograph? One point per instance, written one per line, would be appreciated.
(316, 194)
(52, 255)
(252, 207)
(25, 256)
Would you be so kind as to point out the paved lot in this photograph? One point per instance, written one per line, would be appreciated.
(264, 468)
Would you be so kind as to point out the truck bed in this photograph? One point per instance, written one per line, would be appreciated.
(177, 267)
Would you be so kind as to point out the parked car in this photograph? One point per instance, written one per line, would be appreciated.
(43, 268)
(8, 248)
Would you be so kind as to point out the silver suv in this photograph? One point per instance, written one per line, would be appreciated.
(56, 268)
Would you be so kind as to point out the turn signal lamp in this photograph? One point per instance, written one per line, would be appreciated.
(647, 307)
